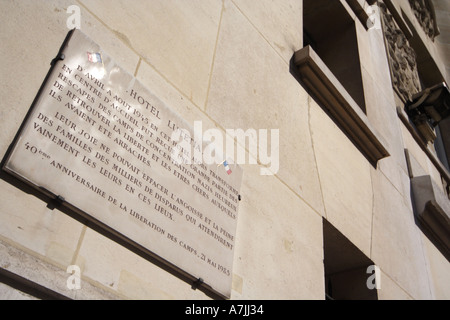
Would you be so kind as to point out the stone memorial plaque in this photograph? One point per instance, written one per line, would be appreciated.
(99, 140)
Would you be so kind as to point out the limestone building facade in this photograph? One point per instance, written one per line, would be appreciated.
(359, 205)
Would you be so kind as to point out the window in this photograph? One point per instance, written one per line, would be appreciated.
(330, 31)
(442, 143)
(346, 268)
(328, 67)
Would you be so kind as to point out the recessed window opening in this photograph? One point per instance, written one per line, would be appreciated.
(330, 31)
(346, 268)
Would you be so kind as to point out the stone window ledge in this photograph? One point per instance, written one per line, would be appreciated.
(325, 87)
(432, 209)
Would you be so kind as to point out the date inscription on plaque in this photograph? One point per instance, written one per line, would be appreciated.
(101, 141)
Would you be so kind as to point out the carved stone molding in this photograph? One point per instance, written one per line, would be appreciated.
(402, 57)
(424, 12)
